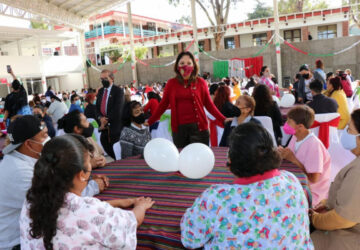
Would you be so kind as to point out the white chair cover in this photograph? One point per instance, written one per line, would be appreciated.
(267, 123)
(163, 129)
(219, 130)
(117, 150)
(340, 157)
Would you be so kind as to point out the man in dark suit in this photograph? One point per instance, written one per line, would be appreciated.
(109, 104)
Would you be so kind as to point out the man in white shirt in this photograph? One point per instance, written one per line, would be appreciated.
(27, 136)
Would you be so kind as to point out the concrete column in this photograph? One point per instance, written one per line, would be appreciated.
(180, 47)
(43, 84)
(141, 30)
(39, 47)
(62, 49)
(345, 28)
(102, 30)
(18, 43)
(277, 41)
(193, 17)
(156, 29)
(304, 33)
(155, 50)
(132, 49)
(82, 54)
(123, 25)
(237, 41)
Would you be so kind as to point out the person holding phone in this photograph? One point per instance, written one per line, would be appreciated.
(16, 103)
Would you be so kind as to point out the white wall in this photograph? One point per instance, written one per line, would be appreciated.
(339, 30)
(71, 82)
(246, 41)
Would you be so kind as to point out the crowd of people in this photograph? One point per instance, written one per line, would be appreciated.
(47, 199)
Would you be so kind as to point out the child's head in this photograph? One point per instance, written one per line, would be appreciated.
(300, 118)
(133, 112)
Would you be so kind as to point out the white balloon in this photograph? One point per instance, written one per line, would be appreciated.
(276, 99)
(196, 161)
(287, 101)
(161, 155)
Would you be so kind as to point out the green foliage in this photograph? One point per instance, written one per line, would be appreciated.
(117, 51)
(39, 25)
(293, 6)
(165, 54)
(260, 11)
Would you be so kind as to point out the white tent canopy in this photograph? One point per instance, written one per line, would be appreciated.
(74, 13)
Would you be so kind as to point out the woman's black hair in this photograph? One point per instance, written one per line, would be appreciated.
(61, 159)
(263, 99)
(52, 96)
(195, 72)
(49, 88)
(336, 84)
(73, 97)
(263, 68)
(153, 95)
(127, 115)
(251, 150)
(16, 85)
(328, 75)
(213, 88)
(355, 117)
(69, 121)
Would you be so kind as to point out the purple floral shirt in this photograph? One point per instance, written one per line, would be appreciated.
(85, 223)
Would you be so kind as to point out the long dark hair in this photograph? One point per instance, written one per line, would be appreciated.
(69, 121)
(153, 95)
(263, 68)
(263, 99)
(61, 159)
(195, 72)
(222, 96)
(127, 115)
(336, 83)
(355, 116)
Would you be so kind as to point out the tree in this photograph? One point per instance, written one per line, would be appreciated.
(217, 12)
(355, 10)
(293, 6)
(260, 11)
(184, 20)
(117, 51)
(39, 25)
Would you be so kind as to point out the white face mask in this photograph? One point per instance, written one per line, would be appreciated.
(42, 143)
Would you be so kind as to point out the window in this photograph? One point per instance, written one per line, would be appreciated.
(176, 49)
(202, 45)
(292, 35)
(327, 32)
(229, 43)
(259, 39)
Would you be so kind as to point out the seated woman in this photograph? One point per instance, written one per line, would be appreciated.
(335, 91)
(223, 103)
(90, 110)
(76, 122)
(134, 135)
(266, 106)
(263, 208)
(337, 219)
(246, 105)
(55, 216)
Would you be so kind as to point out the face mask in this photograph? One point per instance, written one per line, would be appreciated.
(87, 132)
(289, 130)
(43, 101)
(185, 70)
(306, 76)
(105, 83)
(348, 140)
(94, 102)
(42, 143)
(78, 102)
(140, 119)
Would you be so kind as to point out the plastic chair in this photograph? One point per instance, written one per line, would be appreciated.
(164, 128)
(340, 157)
(267, 123)
(117, 150)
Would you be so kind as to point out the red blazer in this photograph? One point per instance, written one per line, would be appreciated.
(151, 106)
(201, 98)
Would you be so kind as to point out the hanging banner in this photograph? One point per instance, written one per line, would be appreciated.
(237, 68)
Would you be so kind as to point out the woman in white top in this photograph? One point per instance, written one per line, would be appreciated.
(57, 109)
(55, 216)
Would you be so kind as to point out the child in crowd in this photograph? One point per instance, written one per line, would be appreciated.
(307, 152)
(134, 135)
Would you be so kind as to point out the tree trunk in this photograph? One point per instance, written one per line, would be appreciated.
(219, 41)
(299, 5)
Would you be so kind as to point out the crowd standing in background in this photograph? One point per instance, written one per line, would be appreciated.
(54, 205)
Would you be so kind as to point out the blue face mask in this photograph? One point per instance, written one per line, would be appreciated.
(348, 141)
(78, 102)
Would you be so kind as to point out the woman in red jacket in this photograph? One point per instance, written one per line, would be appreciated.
(188, 95)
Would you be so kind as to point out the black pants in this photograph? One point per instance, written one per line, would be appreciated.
(189, 133)
(107, 142)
